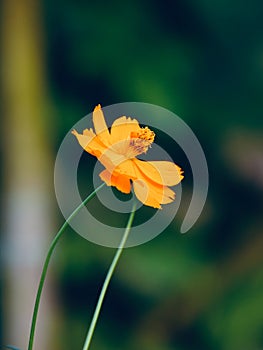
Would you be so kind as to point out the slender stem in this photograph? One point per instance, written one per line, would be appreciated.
(46, 263)
(107, 280)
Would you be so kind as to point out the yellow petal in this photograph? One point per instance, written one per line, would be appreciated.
(146, 189)
(161, 172)
(152, 194)
(100, 125)
(111, 159)
(128, 168)
(90, 142)
(122, 128)
(122, 183)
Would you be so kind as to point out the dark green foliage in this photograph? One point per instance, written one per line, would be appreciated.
(204, 61)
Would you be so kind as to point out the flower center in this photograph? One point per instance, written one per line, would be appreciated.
(141, 141)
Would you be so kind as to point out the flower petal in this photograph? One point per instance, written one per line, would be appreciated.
(146, 189)
(111, 159)
(121, 182)
(128, 168)
(100, 125)
(90, 142)
(161, 172)
(122, 128)
(152, 194)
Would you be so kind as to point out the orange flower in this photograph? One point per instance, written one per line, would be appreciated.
(117, 150)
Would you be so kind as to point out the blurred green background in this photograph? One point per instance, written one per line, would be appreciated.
(203, 61)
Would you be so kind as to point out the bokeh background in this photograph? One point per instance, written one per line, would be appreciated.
(203, 60)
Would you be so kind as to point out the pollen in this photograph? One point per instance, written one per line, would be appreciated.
(146, 134)
(142, 140)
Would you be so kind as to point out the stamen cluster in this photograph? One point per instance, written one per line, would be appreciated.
(142, 140)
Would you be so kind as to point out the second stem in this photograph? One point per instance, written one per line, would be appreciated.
(108, 278)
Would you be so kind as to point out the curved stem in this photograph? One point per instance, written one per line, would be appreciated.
(107, 280)
(46, 263)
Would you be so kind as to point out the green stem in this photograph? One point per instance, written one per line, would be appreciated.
(107, 280)
(46, 263)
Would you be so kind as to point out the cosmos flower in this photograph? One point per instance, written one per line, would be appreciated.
(117, 149)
